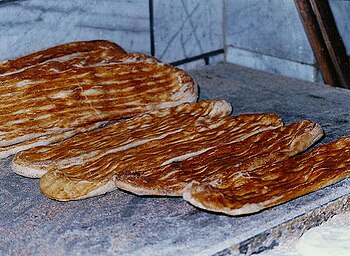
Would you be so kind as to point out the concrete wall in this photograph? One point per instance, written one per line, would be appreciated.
(175, 31)
(268, 35)
(262, 34)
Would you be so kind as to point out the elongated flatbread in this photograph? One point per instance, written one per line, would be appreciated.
(38, 110)
(98, 175)
(215, 164)
(120, 136)
(252, 191)
(61, 57)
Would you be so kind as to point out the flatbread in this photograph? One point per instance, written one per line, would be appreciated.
(53, 105)
(119, 136)
(252, 191)
(215, 164)
(190, 138)
(61, 57)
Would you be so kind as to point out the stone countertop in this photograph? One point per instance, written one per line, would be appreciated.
(120, 223)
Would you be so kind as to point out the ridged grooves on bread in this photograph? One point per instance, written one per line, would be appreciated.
(33, 141)
(61, 64)
(65, 189)
(192, 138)
(222, 161)
(276, 183)
(46, 56)
(123, 85)
(119, 136)
(155, 153)
(62, 98)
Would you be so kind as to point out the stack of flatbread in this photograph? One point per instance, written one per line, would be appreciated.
(59, 92)
(152, 137)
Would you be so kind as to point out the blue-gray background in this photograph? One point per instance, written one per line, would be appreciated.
(262, 34)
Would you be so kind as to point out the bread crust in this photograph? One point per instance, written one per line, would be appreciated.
(270, 185)
(191, 136)
(52, 96)
(72, 50)
(116, 137)
(214, 165)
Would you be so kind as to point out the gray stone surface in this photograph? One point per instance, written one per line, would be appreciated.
(120, 223)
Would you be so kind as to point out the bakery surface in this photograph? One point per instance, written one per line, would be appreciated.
(120, 223)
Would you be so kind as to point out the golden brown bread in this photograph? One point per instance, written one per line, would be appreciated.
(215, 164)
(78, 53)
(191, 137)
(60, 103)
(252, 191)
(130, 133)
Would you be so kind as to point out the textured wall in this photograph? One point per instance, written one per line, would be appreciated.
(268, 35)
(263, 34)
(341, 12)
(28, 26)
(175, 31)
(187, 28)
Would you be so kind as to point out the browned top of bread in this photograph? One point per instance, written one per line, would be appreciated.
(119, 136)
(58, 54)
(214, 165)
(195, 136)
(251, 191)
(37, 110)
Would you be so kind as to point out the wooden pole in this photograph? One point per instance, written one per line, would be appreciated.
(333, 41)
(317, 42)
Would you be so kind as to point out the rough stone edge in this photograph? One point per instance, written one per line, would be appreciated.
(291, 229)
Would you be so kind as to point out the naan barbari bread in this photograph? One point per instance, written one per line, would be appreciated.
(216, 164)
(270, 185)
(190, 136)
(61, 57)
(45, 101)
(120, 136)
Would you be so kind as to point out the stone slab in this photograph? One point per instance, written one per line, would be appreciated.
(120, 223)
